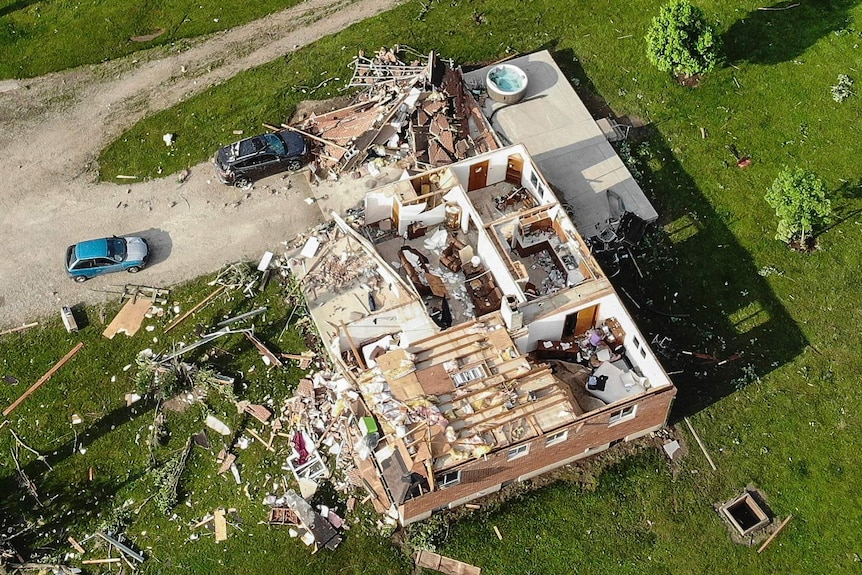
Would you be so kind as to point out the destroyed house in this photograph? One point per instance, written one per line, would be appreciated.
(483, 343)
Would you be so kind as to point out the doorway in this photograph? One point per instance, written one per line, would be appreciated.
(579, 322)
(478, 176)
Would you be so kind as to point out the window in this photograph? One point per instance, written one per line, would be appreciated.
(556, 438)
(534, 180)
(450, 479)
(463, 377)
(637, 342)
(623, 414)
(519, 451)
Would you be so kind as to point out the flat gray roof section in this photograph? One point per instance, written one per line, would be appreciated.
(569, 147)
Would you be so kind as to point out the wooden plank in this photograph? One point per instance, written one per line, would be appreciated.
(220, 525)
(774, 534)
(19, 328)
(497, 533)
(76, 545)
(202, 303)
(700, 443)
(264, 350)
(437, 562)
(43, 379)
(99, 561)
(129, 319)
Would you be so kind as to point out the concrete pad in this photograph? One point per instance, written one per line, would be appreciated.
(567, 143)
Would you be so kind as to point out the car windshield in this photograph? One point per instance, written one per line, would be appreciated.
(117, 249)
(275, 144)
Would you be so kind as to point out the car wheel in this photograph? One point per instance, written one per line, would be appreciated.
(242, 183)
(294, 165)
(81, 279)
(133, 269)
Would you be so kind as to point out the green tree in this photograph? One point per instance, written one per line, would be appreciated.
(681, 41)
(799, 199)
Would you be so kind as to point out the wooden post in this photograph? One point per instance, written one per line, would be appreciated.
(774, 534)
(19, 328)
(202, 303)
(43, 379)
(700, 443)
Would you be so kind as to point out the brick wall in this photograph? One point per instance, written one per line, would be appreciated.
(483, 476)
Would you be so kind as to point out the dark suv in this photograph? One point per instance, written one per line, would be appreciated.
(243, 162)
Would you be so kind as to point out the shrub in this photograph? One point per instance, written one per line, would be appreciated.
(681, 41)
(799, 199)
(844, 88)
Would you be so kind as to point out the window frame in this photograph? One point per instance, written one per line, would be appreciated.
(479, 369)
(620, 415)
(518, 452)
(557, 438)
(443, 483)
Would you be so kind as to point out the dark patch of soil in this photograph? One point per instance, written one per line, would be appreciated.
(692, 81)
(809, 246)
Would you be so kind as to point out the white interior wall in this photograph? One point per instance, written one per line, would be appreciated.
(492, 260)
(378, 206)
(407, 215)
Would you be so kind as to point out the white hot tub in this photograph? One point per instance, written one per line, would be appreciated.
(506, 83)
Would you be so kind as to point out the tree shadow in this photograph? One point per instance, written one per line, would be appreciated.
(15, 6)
(65, 506)
(784, 31)
(690, 285)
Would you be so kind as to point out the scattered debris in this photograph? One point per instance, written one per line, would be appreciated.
(497, 533)
(43, 379)
(217, 425)
(68, 319)
(147, 37)
(671, 447)
(121, 547)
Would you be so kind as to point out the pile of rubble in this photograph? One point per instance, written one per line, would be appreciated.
(418, 111)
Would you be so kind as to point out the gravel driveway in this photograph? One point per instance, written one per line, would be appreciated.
(55, 125)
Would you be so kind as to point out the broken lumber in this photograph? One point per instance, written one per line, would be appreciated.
(99, 561)
(75, 545)
(430, 560)
(259, 438)
(263, 350)
(202, 303)
(220, 524)
(19, 328)
(43, 379)
(303, 358)
(700, 443)
(497, 533)
(313, 137)
(774, 534)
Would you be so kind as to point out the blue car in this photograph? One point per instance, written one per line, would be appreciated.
(95, 257)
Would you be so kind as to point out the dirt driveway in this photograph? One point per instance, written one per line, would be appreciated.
(54, 127)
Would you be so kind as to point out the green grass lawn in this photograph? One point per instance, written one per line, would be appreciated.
(112, 440)
(784, 417)
(37, 37)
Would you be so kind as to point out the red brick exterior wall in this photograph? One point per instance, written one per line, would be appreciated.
(593, 432)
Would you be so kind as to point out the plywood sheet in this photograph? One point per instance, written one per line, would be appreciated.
(129, 319)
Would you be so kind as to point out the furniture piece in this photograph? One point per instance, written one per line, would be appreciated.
(619, 385)
(450, 257)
